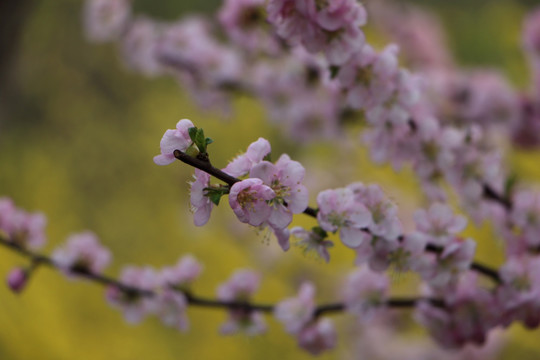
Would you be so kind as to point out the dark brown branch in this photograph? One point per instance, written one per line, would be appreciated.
(194, 300)
(489, 193)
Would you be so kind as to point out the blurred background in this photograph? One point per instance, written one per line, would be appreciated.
(77, 135)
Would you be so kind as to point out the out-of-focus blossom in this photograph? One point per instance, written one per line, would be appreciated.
(312, 241)
(365, 293)
(22, 228)
(138, 46)
(439, 223)
(171, 309)
(298, 311)
(183, 274)
(106, 20)
(82, 253)
(318, 336)
(134, 305)
(240, 287)
(338, 210)
(471, 312)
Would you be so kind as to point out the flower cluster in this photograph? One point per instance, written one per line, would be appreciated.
(20, 227)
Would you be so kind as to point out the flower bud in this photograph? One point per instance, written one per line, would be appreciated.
(17, 279)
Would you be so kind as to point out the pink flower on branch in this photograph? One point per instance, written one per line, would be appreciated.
(318, 336)
(284, 178)
(331, 27)
(22, 228)
(338, 210)
(82, 253)
(240, 288)
(365, 293)
(177, 139)
(295, 313)
(439, 223)
(201, 204)
(249, 200)
(134, 305)
(313, 241)
(181, 275)
(242, 164)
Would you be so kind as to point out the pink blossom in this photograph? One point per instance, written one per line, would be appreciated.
(318, 336)
(22, 228)
(242, 164)
(519, 295)
(171, 309)
(294, 20)
(249, 201)
(408, 255)
(369, 77)
(469, 315)
(201, 205)
(439, 223)
(177, 139)
(342, 13)
(333, 28)
(240, 287)
(82, 253)
(138, 46)
(312, 241)
(135, 306)
(244, 23)
(183, 274)
(531, 33)
(250, 323)
(443, 269)
(284, 178)
(365, 293)
(419, 34)
(385, 223)
(17, 279)
(106, 20)
(338, 210)
(525, 216)
(298, 311)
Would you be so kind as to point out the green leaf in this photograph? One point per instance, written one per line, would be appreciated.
(320, 231)
(215, 197)
(334, 71)
(509, 185)
(209, 141)
(268, 157)
(200, 140)
(214, 193)
(192, 131)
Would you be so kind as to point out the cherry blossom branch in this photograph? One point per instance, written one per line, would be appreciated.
(195, 300)
(203, 163)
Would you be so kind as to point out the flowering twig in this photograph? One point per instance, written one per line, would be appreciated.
(195, 300)
(206, 166)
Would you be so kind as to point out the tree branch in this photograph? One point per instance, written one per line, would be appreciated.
(195, 300)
